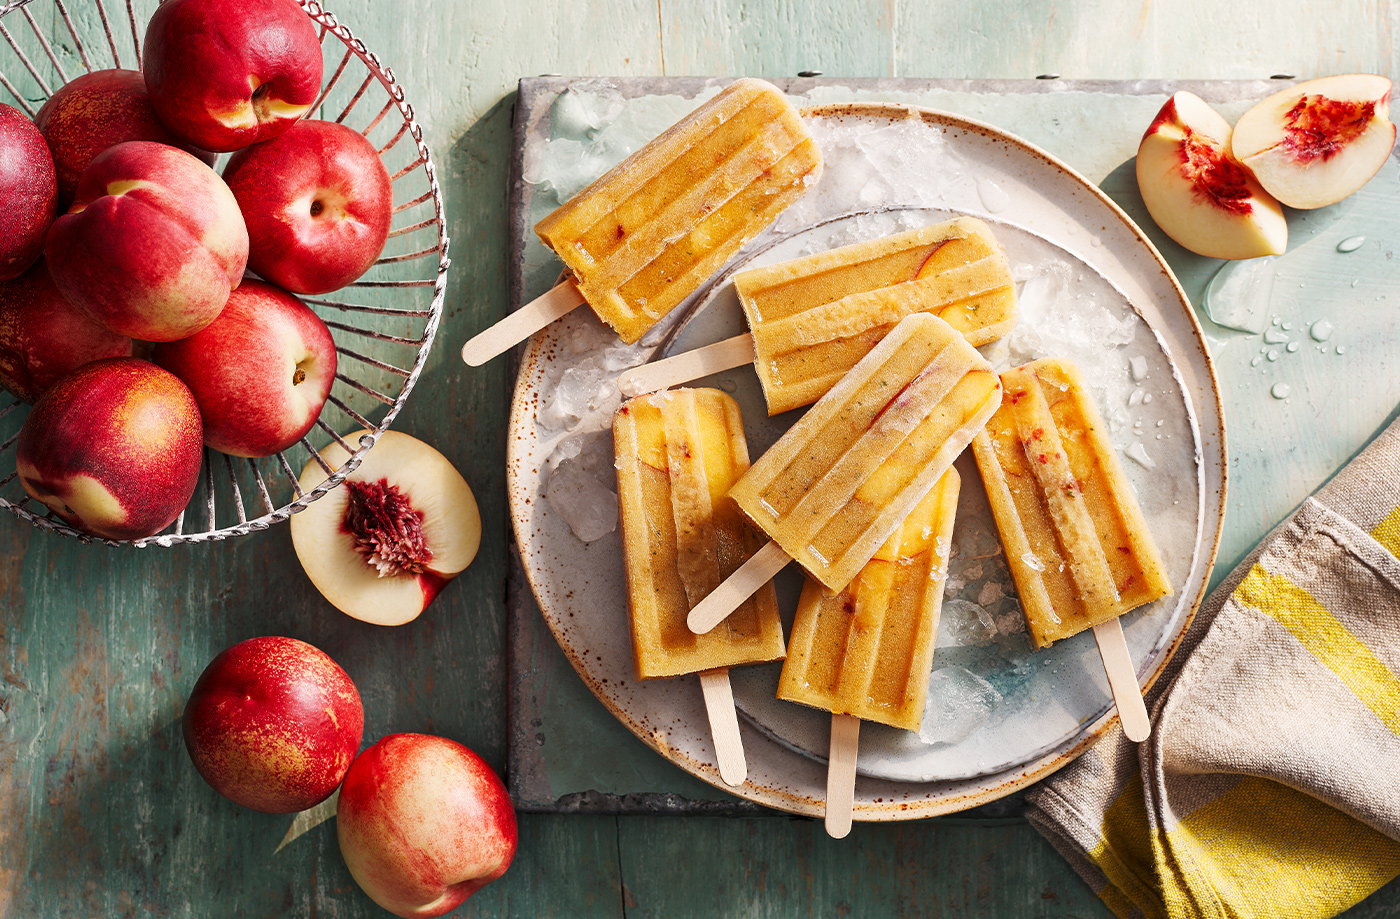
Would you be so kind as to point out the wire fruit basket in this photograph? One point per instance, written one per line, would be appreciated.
(383, 324)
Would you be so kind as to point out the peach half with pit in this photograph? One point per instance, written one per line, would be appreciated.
(1197, 192)
(1315, 143)
(113, 449)
(401, 526)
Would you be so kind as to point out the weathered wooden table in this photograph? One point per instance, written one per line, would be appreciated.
(101, 813)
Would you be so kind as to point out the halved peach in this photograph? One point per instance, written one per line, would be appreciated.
(382, 545)
(1197, 192)
(1315, 143)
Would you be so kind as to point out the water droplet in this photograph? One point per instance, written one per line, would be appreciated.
(1273, 355)
(1321, 330)
(1351, 244)
(1291, 347)
(994, 197)
(1146, 397)
(1277, 321)
(1281, 391)
(1353, 281)
(1238, 295)
(1341, 349)
(1255, 361)
(1287, 326)
(1138, 454)
(1275, 337)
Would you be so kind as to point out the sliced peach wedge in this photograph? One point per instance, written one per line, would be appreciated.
(1313, 144)
(1198, 193)
(382, 545)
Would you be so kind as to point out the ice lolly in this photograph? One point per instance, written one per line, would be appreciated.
(847, 473)
(678, 453)
(649, 231)
(812, 318)
(1075, 538)
(864, 653)
(867, 650)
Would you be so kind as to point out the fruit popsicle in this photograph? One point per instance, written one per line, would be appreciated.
(847, 473)
(867, 650)
(648, 232)
(678, 453)
(1075, 539)
(813, 317)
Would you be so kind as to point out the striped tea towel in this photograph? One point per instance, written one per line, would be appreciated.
(1270, 786)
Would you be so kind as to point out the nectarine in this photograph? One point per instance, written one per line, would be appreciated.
(114, 448)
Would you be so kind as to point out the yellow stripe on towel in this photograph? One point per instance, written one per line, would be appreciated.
(1387, 532)
(1319, 862)
(1330, 642)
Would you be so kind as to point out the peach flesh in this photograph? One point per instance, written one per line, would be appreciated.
(1215, 176)
(1319, 128)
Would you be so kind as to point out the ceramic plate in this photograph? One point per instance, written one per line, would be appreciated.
(1091, 288)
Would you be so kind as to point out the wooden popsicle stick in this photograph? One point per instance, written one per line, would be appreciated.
(1122, 680)
(841, 774)
(521, 324)
(724, 725)
(737, 588)
(687, 366)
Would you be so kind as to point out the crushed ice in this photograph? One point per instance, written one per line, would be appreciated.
(959, 702)
(575, 423)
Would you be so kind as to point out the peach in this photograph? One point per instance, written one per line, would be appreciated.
(423, 824)
(113, 449)
(260, 372)
(1313, 144)
(43, 337)
(1197, 192)
(28, 192)
(382, 545)
(273, 724)
(224, 74)
(96, 111)
(152, 245)
(318, 203)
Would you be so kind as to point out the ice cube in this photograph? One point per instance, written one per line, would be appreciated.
(964, 624)
(959, 702)
(583, 112)
(573, 395)
(587, 505)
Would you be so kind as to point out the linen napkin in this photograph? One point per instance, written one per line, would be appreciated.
(1270, 786)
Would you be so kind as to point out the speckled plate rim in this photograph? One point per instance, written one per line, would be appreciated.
(802, 789)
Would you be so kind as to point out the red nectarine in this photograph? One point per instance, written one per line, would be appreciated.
(114, 448)
(273, 724)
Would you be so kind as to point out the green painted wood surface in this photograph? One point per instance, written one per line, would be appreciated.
(101, 814)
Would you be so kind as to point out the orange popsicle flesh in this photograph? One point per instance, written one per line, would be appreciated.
(678, 453)
(647, 233)
(843, 478)
(867, 650)
(814, 317)
(1075, 538)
